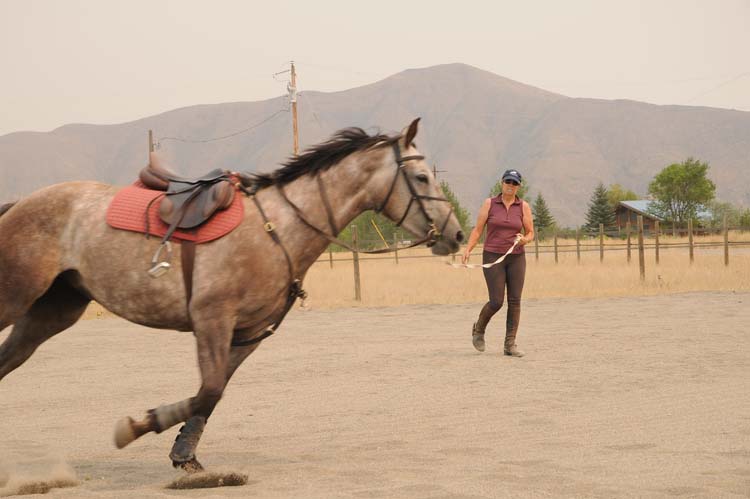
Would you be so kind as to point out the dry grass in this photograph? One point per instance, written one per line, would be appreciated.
(420, 278)
(430, 280)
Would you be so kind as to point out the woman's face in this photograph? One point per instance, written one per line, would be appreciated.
(510, 187)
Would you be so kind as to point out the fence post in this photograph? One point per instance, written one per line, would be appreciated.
(355, 258)
(555, 246)
(395, 246)
(536, 247)
(656, 240)
(330, 255)
(601, 242)
(690, 239)
(578, 244)
(641, 254)
(627, 233)
(726, 240)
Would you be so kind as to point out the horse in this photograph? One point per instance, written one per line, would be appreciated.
(57, 253)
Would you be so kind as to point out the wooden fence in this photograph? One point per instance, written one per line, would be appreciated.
(633, 239)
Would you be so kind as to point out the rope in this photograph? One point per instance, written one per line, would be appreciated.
(485, 265)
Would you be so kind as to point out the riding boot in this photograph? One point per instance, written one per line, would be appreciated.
(477, 331)
(511, 327)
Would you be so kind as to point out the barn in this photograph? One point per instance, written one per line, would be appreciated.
(629, 211)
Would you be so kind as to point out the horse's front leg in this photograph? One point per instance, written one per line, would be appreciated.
(213, 336)
(183, 450)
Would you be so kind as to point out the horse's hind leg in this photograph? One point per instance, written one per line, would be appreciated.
(56, 310)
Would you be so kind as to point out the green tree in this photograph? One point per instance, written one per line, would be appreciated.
(498, 188)
(719, 209)
(617, 193)
(744, 220)
(461, 214)
(600, 211)
(681, 189)
(543, 219)
(367, 236)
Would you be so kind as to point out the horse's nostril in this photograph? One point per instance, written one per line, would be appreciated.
(459, 236)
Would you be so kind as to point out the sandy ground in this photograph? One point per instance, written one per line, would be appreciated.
(617, 397)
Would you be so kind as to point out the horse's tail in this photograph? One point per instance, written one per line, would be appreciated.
(5, 207)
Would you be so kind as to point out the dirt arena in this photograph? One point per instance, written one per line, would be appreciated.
(617, 397)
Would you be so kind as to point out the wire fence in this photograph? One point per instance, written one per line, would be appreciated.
(634, 243)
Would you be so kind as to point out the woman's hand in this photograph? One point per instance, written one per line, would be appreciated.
(522, 241)
(465, 257)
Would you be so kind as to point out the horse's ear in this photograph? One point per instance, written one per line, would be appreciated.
(410, 132)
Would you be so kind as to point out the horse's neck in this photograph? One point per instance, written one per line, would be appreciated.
(346, 188)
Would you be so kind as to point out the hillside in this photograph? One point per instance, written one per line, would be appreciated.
(475, 125)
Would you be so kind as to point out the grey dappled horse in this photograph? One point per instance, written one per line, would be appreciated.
(57, 253)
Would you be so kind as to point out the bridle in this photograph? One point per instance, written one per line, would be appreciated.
(415, 196)
(433, 233)
(295, 287)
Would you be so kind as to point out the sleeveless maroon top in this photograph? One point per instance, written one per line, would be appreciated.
(503, 225)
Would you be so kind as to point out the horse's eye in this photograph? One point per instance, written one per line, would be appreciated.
(423, 178)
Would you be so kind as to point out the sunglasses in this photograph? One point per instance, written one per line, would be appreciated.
(511, 182)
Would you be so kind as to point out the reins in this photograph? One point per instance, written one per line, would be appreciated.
(486, 265)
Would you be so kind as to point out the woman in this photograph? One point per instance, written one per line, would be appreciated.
(505, 216)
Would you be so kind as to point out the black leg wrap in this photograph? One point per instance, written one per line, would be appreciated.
(183, 450)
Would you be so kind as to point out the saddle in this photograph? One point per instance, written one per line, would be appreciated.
(188, 202)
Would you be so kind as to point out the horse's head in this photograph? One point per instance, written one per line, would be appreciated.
(413, 199)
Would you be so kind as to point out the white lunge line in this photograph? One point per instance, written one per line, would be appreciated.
(485, 265)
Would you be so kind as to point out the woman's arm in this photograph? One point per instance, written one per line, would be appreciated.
(528, 225)
(476, 233)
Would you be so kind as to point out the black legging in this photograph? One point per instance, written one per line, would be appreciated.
(509, 273)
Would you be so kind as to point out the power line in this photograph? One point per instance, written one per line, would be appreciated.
(234, 134)
(726, 82)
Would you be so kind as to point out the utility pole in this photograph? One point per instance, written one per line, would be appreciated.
(293, 99)
(150, 141)
(435, 171)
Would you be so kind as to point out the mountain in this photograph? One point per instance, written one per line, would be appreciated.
(475, 124)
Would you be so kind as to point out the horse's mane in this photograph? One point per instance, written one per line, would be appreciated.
(322, 156)
(5, 207)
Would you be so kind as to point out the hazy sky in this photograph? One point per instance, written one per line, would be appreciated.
(103, 61)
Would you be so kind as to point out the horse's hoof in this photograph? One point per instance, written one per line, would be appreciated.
(124, 433)
(191, 466)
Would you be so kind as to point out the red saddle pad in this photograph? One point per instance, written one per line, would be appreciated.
(128, 212)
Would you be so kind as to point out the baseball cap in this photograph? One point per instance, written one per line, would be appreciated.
(512, 175)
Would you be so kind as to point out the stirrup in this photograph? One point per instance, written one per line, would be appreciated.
(159, 268)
